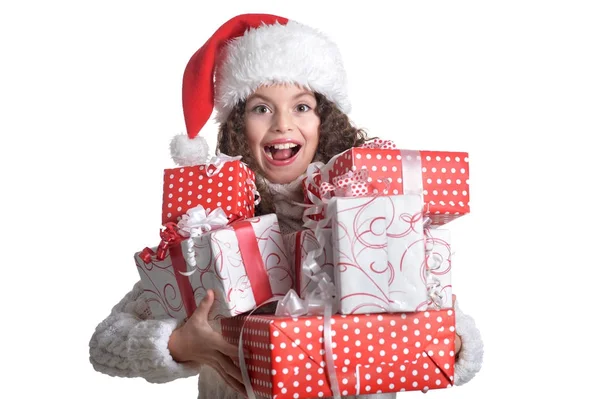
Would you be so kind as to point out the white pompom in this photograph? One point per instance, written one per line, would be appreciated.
(187, 152)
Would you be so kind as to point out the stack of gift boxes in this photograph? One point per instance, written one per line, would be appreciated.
(210, 239)
(364, 292)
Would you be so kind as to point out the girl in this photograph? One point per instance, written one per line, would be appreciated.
(281, 100)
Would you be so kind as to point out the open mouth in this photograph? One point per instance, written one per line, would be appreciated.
(282, 152)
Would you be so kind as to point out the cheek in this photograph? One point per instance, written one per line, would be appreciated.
(253, 133)
(252, 140)
(313, 137)
(310, 130)
(254, 147)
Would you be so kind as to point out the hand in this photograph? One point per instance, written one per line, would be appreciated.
(457, 344)
(195, 342)
(457, 340)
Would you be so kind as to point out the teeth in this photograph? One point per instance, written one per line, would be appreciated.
(284, 146)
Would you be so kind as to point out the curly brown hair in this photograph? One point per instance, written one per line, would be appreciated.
(336, 134)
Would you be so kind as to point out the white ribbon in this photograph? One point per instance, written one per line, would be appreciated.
(320, 301)
(241, 357)
(193, 224)
(218, 161)
(433, 264)
(221, 159)
(252, 185)
(412, 173)
(196, 221)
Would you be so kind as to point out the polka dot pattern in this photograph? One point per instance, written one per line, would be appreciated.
(227, 188)
(445, 177)
(284, 363)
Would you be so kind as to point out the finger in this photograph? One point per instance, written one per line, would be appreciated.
(228, 349)
(453, 299)
(457, 344)
(229, 380)
(230, 368)
(201, 312)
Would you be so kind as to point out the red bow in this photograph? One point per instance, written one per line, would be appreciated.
(168, 237)
(351, 184)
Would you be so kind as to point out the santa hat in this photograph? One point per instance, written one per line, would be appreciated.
(246, 52)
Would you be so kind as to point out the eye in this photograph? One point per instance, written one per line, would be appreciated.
(303, 108)
(260, 109)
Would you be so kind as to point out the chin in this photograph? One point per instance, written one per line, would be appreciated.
(281, 178)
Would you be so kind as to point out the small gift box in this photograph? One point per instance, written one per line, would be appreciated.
(378, 253)
(243, 262)
(370, 353)
(378, 167)
(299, 245)
(224, 183)
(438, 255)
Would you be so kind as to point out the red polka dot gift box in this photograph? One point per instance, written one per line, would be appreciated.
(243, 262)
(390, 352)
(228, 185)
(378, 167)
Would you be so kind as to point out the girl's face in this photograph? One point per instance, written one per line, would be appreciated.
(282, 129)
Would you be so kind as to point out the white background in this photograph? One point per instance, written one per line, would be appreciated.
(91, 95)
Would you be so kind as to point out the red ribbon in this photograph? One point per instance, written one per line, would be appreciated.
(253, 261)
(170, 243)
(183, 282)
(169, 237)
(147, 254)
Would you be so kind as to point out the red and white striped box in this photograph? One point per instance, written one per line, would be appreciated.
(229, 186)
(389, 352)
(443, 175)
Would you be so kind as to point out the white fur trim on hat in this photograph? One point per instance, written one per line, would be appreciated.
(291, 53)
(187, 152)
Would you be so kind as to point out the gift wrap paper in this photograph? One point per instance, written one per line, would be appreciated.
(230, 188)
(219, 266)
(378, 253)
(443, 177)
(371, 353)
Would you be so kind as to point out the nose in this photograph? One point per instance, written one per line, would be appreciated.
(282, 122)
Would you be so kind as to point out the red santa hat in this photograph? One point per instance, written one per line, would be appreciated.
(246, 52)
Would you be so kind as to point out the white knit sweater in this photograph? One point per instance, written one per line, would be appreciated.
(128, 343)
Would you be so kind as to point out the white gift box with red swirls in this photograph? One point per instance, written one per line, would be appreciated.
(216, 260)
(379, 253)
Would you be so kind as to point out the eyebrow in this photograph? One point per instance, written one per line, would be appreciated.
(267, 99)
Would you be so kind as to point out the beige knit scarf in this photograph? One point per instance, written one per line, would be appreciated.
(287, 199)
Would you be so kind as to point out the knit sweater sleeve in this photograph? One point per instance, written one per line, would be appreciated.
(470, 357)
(128, 343)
